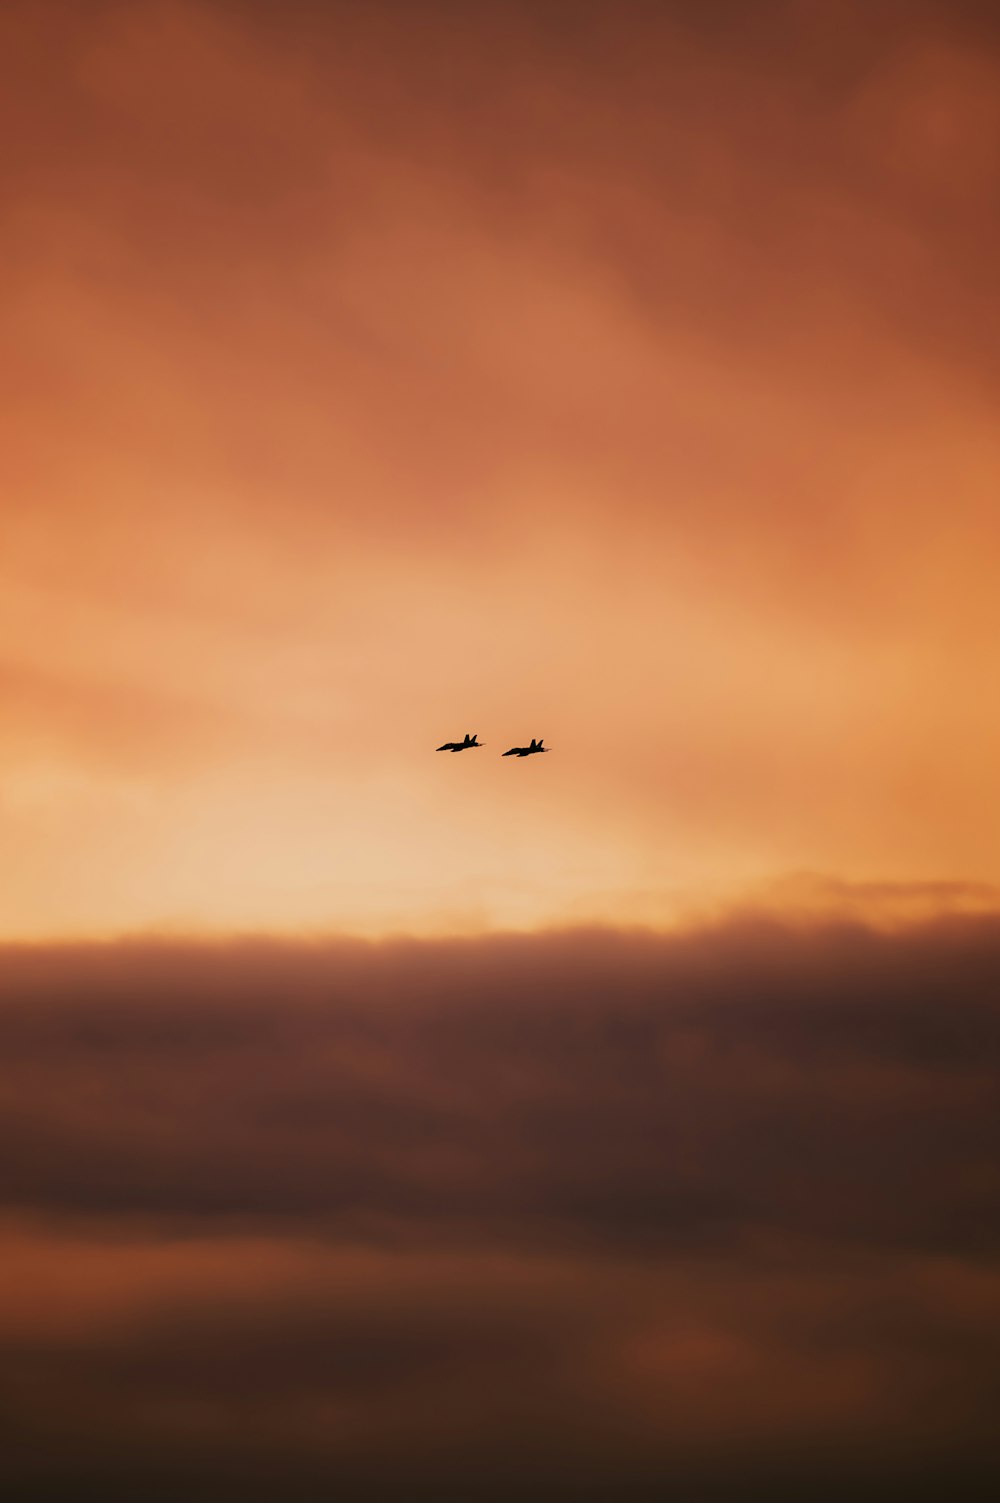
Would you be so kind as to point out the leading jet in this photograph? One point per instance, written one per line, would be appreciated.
(454, 746)
(527, 751)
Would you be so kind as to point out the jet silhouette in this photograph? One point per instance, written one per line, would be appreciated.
(527, 751)
(454, 746)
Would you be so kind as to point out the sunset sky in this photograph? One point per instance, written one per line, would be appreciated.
(374, 372)
(386, 1124)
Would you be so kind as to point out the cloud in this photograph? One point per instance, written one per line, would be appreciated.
(582, 1209)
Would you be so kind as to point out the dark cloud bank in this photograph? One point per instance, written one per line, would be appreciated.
(581, 1215)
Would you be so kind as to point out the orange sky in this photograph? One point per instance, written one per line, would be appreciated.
(622, 372)
(375, 373)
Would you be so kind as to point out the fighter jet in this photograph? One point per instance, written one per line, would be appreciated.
(454, 746)
(527, 751)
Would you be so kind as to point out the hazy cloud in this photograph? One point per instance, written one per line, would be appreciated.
(587, 1207)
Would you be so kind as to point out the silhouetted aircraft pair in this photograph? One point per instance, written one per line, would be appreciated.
(515, 751)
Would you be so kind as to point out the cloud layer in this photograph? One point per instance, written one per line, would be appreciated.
(539, 1215)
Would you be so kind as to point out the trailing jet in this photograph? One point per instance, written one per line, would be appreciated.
(454, 746)
(527, 751)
